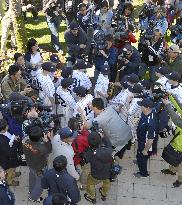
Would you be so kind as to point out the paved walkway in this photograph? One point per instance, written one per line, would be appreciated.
(154, 190)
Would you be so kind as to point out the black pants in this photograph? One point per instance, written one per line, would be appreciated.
(142, 163)
(123, 150)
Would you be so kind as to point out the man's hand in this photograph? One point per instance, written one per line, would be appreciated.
(165, 101)
(82, 46)
(103, 53)
(50, 135)
(145, 152)
(32, 113)
(80, 110)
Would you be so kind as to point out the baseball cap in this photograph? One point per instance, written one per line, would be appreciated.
(66, 82)
(54, 58)
(146, 103)
(80, 64)
(94, 139)
(74, 26)
(137, 88)
(162, 70)
(48, 66)
(174, 48)
(174, 76)
(105, 69)
(80, 91)
(132, 78)
(146, 84)
(66, 132)
(66, 72)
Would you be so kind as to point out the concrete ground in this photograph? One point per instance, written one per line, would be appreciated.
(127, 190)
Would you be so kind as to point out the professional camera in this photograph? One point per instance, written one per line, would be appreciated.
(158, 92)
(99, 41)
(122, 57)
(46, 121)
(163, 56)
(95, 128)
(147, 12)
(175, 30)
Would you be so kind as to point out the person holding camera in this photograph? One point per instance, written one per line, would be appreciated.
(36, 150)
(99, 155)
(58, 181)
(8, 153)
(151, 49)
(129, 61)
(175, 59)
(13, 82)
(7, 197)
(80, 145)
(177, 142)
(61, 145)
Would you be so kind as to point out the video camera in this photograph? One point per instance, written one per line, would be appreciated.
(46, 121)
(176, 29)
(99, 41)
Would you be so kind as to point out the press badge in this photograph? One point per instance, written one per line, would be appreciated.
(151, 58)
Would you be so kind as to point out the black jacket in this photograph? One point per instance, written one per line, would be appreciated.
(100, 160)
(6, 196)
(61, 182)
(8, 155)
(152, 50)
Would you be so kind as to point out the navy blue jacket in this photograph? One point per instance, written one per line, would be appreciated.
(112, 58)
(6, 196)
(61, 182)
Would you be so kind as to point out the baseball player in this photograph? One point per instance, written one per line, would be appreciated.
(47, 89)
(160, 73)
(102, 83)
(66, 102)
(79, 75)
(84, 102)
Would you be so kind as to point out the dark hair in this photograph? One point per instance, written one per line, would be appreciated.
(17, 55)
(13, 69)
(58, 199)
(104, 4)
(73, 123)
(3, 124)
(60, 163)
(36, 133)
(94, 140)
(129, 6)
(109, 37)
(31, 42)
(98, 103)
(81, 5)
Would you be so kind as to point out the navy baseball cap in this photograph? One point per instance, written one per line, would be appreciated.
(48, 66)
(133, 78)
(174, 76)
(54, 58)
(73, 26)
(146, 103)
(66, 72)
(162, 70)
(80, 91)
(66, 132)
(66, 82)
(105, 69)
(137, 88)
(81, 64)
(146, 84)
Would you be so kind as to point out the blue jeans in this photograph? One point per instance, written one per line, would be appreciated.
(48, 200)
(53, 25)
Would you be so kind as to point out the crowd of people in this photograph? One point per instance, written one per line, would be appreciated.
(71, 129)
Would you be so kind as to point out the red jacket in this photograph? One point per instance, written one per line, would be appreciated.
(80, 144)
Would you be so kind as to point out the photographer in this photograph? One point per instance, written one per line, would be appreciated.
(174, 59)
(177, 141)
(109, 54)
(61, 145)
(129, 61)
(53, 11)
(57, 180)
(150, 48)
(82, 16)
(36, 150)
(80, 145)
(76, 41)
(9, 154)
(13, 82)
(99, 155)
